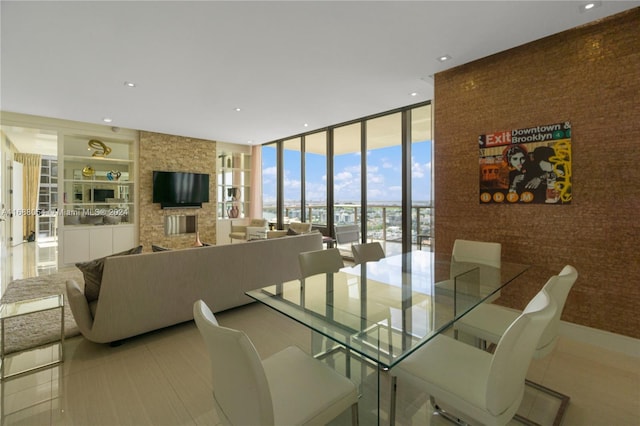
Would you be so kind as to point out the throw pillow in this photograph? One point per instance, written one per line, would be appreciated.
(72, 220)
(92, 220)
(92, 273)
(291, 232)
(159, 248)
(112, 220)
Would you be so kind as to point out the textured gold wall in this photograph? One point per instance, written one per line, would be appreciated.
(589, 76)
(179, 154)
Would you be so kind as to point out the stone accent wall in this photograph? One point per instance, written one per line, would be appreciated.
(179, 154)
(589, 76)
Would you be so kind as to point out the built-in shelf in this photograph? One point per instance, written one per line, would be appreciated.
(234, 181)
(98, 198)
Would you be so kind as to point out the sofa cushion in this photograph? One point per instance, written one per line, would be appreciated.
(92, 273)
(72, 220)
(300, 227)
(112, 220)
(92, 220)
(263, 223)
(256, 233)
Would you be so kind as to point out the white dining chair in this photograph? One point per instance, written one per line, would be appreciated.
(346, 236)
(320, 261)
(367, 252)
(477, 385)
(488, 322)
(287, 388)
(476, 252)
(482, 252)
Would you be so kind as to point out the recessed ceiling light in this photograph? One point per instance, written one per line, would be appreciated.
(444, 58)
(306, 125)
(249, 142)
(590, 5)
(107, 120)
(413, 94)
(129, 84)
(237, 110)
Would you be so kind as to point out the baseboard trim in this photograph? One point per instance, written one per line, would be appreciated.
(605, 339)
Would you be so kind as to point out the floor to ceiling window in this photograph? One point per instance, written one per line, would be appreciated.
(347, 181)
(384, 178)
(421, 183)
(270, 182)
(347, 175)
(292, 179)
(352, 173)
(315, 178)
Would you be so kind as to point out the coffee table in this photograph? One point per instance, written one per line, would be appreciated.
(28, 307)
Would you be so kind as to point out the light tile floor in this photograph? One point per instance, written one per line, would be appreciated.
(163, 378)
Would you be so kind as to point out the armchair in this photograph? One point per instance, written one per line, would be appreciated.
(293, 228)
(245, 231)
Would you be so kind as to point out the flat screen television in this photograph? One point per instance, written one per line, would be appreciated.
(101, 195)
(180, 189)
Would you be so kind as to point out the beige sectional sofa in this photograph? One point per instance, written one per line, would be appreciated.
(149, 291)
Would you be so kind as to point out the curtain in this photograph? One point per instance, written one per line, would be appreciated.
(255, 208)
(31, 188)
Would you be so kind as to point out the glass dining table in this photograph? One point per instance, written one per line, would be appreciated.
(367, 318)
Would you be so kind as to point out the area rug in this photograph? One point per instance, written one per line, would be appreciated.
(33, 330)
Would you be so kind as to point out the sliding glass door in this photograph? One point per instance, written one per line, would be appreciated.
(374, 173)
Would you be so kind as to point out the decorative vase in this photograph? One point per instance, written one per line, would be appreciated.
(198, 243)
(88, 171)
(233, 212)
(232, 193)
(113, 175)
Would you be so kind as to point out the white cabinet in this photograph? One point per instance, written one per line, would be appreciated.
(84, 243)
(123, 238)
(100, 242)
(75, 245)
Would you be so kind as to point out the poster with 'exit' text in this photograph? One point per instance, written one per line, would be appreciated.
(530, 165)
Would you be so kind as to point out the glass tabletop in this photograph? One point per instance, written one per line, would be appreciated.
(24, 307)
(385, 310)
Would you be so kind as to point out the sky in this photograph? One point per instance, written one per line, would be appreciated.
(384, 178)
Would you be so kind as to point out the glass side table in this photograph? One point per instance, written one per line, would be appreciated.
(26, 307)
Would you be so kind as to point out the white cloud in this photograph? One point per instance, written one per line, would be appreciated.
(269, 171)
(343, 176)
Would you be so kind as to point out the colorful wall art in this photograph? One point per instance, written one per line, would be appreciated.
(526, 166)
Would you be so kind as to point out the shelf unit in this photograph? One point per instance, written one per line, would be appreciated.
(234, 180)
(48, 199)
(98, 198)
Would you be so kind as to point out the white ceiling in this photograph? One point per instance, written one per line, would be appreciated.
(283, 63)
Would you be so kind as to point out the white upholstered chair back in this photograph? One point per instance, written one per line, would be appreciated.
(347, 234)
(559, 290)
(482, 252)
(320, 261)
(263, 223)
(367, 252)
(300, 227)
(240, 388)
(479, 252)
(514, 352)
